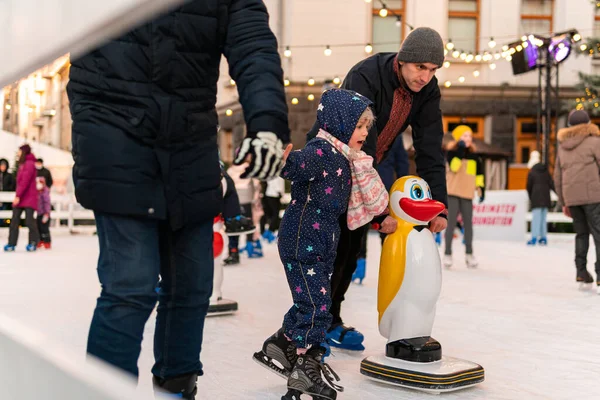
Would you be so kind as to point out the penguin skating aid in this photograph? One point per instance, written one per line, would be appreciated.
(406, 306)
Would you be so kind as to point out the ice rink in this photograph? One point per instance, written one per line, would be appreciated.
(520, 315)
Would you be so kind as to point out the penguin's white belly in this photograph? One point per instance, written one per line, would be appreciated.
(412, 311)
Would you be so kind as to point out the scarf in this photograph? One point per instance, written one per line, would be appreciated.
(368, 196)
(401, 107)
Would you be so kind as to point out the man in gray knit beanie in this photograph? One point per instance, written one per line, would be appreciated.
(404, 92)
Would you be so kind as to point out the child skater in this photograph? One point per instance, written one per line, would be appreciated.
(43, 213)
(329, 176)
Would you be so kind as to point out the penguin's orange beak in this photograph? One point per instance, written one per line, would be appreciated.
(421, 210)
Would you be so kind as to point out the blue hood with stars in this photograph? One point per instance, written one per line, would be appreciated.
(339, 112)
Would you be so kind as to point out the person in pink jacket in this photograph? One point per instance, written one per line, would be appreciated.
(26, 199)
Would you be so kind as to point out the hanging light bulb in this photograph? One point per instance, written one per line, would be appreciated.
(327, 51)
(368, 48)
(337, 80)
(497, 56)
(577, 37)
(461, 79)
(492, 43)
(311, 97)
(492, 66)
(508, 58)
(232, 82)
(8, 106)
(447, 83)
(523, 38)
(287, 52)
(383, 12)
(446, 64)
(583, 47)
(469, 58)
(478, 57)
(398, 22)
(367, 1)
(294, 101)
(455, 53)
(449, 45)
(525, 44)
(519, 48)
(229, 112)
(463, 55)
(476, 73)
(505, 48)
(311, 82)
(286, 82)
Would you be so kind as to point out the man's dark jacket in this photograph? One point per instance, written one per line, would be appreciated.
(375, 79)
(143, 107)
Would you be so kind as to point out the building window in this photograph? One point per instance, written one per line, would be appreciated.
(388, 32)
(526, 139)
(536, 17)
(475, 123)
(463, 24)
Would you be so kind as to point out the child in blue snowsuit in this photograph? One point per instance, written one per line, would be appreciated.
(321, 179)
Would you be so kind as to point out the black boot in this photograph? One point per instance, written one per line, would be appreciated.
(278, 354)
(184, 385)
(307, 377)
(584, 276)
(233, 259)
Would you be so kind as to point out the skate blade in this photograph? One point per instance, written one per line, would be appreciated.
(349, 347)
(264, 361)
(294, 394)
(448, 374)
(234, 234)
(585, 286)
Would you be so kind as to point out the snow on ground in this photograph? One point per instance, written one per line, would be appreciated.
(520, 315)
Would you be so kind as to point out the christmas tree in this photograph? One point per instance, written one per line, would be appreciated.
(589, 84)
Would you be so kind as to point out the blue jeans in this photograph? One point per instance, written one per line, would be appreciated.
(134, 252)
(539, 227)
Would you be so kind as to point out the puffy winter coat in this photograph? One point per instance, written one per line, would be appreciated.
(143, 107)
(539, 184)
(577, 169)
(26, 190)
(7, 180)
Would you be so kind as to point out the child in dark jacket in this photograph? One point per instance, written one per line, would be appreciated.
(329, 176)
(539, 184)
(43, 213)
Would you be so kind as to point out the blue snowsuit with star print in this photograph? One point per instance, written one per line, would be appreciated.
(309, 232)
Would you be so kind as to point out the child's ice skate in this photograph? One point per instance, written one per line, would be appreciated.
(543, 241)
(308, 377)
(9, 248)
(345, 337)
(183, 387)
(269, 236)
(360, 271)
(278, 354)
(532, 242)
(471, 261)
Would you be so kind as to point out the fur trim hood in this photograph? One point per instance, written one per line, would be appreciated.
(572, 137)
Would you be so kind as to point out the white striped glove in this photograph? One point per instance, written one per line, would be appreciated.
(266, 150)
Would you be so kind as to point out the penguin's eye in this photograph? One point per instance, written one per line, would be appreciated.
(416, 192)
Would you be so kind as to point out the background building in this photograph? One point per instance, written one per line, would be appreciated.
(320, 40)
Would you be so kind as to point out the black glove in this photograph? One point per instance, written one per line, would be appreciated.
(462, 144)
(266, 150)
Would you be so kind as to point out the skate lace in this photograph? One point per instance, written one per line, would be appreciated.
(291, 354)
(316, 369)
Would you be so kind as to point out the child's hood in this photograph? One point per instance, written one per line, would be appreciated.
(339, 112)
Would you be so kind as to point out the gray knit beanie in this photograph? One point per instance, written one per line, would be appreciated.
(577, 117)
(422, 45)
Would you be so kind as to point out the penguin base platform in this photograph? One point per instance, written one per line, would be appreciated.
(222, 307)
(445, 375)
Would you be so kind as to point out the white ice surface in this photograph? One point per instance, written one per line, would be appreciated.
(520, 315)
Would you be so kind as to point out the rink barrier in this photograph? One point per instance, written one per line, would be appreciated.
(32, 367)
(66, 208)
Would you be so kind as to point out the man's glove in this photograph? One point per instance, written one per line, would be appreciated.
(266, 150)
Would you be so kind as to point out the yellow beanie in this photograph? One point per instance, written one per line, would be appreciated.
(459, 131)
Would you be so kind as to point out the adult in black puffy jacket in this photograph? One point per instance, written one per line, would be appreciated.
(147, 163)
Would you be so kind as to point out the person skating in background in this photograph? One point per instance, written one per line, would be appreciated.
(325, 186)
(235, 222)
(43, 213)
(248, 191)
(464, 175)
(7, 181)
(44, 172)
(26, 199)
(577, 180)
(271, 204)
(539, 185)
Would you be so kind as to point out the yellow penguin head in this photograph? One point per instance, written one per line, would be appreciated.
(410, 201)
